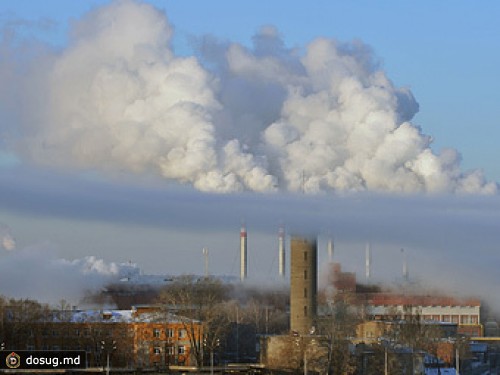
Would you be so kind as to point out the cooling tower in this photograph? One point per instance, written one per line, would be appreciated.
(303, 284)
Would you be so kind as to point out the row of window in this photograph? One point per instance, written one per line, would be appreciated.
(170, 332)
(170, 350)
(457, 319)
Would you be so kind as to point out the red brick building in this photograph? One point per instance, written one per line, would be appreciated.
(141, 337)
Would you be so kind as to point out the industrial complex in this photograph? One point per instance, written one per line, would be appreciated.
(210, 323)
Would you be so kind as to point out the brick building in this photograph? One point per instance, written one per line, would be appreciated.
(140, 337)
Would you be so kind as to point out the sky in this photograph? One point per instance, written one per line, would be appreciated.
(145, 131)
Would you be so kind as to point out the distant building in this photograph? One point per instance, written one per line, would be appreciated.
(342, 281)
(466, 313)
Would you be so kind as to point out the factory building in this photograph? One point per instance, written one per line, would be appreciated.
(466, 313)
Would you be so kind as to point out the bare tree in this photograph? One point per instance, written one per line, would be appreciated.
(24, 322)
(339, 326)
(199, 305)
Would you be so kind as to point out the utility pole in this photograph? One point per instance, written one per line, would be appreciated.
(217, 343)
(237, 335)
(106, 346)
(386, 362)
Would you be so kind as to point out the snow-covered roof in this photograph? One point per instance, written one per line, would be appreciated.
(113, 316)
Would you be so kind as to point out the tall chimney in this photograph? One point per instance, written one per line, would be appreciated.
(405, 266)
(281, 251)
(303, 284)
(330, 251)
(243, 253)
(368, 261)
(205, 256)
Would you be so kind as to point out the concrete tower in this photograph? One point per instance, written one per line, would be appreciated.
(281, 252)
(243, 253)
(303, 284)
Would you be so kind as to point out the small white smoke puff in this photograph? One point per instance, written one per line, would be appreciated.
(264, 119)
(8, 242)
(6, 239)
(52, 278)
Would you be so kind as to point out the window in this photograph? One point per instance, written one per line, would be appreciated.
(305, 255)
(446, 318)
(170, 350)
(181, 349)
(182, 333)
(305, 274)
(305, 310)
(170, 332)
(77, 332)
(474, 319)
(156, 332)
(157, 350)
(454, 319)
(305, 292)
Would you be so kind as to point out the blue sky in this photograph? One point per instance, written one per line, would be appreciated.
(445, 52)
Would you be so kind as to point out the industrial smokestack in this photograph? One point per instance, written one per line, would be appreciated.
(243, 253)
(281, 252)
(330, 251)
(205, 255)
(368, 261)
(303, 284)
(405, 266)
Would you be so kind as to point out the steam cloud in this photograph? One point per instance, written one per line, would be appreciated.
(263, 119)
(35, 272)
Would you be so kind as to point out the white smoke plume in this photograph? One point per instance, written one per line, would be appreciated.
(261, 119)
(36, 272)
(7, 241)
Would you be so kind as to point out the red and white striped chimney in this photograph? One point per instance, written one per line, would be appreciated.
(243, 253)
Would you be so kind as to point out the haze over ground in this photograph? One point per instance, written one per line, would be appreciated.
(117, 146)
